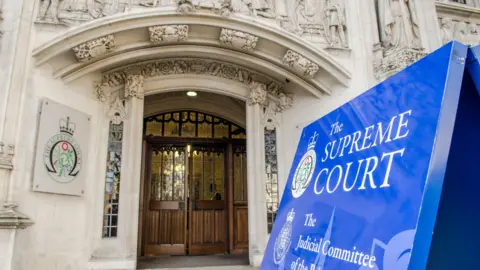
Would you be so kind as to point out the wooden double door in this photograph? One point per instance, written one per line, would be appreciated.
(191, 202)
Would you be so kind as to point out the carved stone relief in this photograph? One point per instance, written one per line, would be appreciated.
(321, 21)
(6, 156)
(117, 113)
(94, 48)
(238, 40)
(300, 64)
(101, 91)
(186, 6)
(74, 12)
(258, 94)
(467, 33)
(394, 63)
(134, 86)
(168, 33)
(215, 68)
(285, 102)
(398, 25)
(399, 35)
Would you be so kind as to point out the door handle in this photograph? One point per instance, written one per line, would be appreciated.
(181, 205)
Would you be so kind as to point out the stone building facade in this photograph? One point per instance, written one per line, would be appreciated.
(268, 67)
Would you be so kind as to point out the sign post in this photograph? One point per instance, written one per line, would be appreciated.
(373, 181)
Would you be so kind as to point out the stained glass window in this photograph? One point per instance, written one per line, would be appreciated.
(112, 180)
(168, 167)
(190, 124)
(271, 176)
(240, 189)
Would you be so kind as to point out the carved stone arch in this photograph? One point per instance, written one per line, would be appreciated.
(107, 44)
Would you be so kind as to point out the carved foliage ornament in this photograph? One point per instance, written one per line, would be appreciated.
(134, 86)
(6, 156)
(168, 33)
(300, 64)
(285, 102)
(167, 67)
(94, 48)
(393, 63)
(238, 40)
(258, 94)
(100, 90)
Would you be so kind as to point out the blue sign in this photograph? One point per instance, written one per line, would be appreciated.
(366, 180)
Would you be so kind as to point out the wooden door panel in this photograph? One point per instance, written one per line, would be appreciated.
(165, 216)
(208, 205)
(161, 228)
(241, 227)
(208, 227)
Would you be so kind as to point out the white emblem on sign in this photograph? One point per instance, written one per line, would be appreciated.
(303, 173)
(62, 155)
(283, 241)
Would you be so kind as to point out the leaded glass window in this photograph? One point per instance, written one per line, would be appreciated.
(271, 176)
(240, 189)
(112, 180)
(190, 124)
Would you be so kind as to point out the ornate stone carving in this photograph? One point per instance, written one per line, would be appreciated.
(264, 8)
(446, 26)
(73, 12)
(50, 8)
(215, 68)
(398, 25)
(467, 33)
(300, 63)
(285, 102)
(186, 6)
(473, 37)
(94, 48)
(226, 8)
(168, 33)
(134, 86)
(6, 156)
(117, 113)
(258, 94)
(460, 31)
(100, 90)
(394, 63)
(238, 40)
(336, 24)
(10, 218)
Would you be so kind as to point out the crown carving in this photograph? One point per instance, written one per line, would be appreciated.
(291, 215)
(313, 141)
(66, 126)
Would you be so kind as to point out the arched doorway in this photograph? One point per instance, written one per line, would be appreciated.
(122, 64)
(194, 193)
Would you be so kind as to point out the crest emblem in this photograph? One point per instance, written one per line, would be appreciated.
(283, 241)
(303, 173)
(62, 155)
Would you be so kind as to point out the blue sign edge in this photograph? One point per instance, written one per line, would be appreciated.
(473, 65)
(439, 157)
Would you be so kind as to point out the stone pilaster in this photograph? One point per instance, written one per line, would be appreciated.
(132, 155)
(257, 214)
